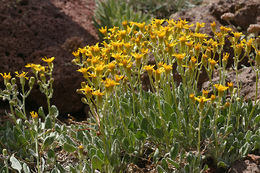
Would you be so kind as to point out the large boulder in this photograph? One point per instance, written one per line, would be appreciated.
(245, 12)
(32, 29)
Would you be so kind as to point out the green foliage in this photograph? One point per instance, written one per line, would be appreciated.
(172, 128)
(162, 8)
(110, 13)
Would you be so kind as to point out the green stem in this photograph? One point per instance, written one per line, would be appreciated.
(215, 127)
(256, 102)
(198, 145)
(6, 166)
(37, 149)
(229, 111)
(158, 99)
(24, 96)
(133, 96)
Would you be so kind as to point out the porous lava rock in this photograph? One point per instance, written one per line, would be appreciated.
(245, 12)
(32, 29)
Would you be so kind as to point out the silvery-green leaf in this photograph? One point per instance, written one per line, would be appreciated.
(26, 168)
(15, 164)
(69, 148)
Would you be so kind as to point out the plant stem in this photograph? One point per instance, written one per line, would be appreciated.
(256, 102)
(198, 145)
(36, 148)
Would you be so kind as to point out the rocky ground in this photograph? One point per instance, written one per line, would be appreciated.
(32, 29)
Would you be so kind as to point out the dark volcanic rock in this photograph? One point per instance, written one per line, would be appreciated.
(32, 29)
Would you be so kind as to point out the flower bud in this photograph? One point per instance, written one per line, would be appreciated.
(13, 81)
(12, 102)
(84, 100)
(226, 105)
(31, 82)
(5, 152)
(9, 86)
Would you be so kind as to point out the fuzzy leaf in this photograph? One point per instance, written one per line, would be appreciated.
(54, 111)
(173, 163)
(69, 148)
(156, 154)
(26, 168)
(96, 162)
(141, 135)
(174, 151)
(48, 141)
(257, 120)
(145, 124)
(48, 122)
(15, 164)
(20, 114)
(41, 112)
(160, 169)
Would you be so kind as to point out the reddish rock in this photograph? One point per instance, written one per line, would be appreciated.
(32, 29)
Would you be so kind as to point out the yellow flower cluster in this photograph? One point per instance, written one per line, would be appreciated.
(127, 53)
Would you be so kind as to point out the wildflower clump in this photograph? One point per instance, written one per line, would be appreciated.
(175, 48)
(141, 85)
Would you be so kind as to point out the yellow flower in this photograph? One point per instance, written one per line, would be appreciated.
(81, 147)
(34, 114)
(220, 89)
(117, 56)
(202, 100)
(95, 49)
(36, 67)
(198, 26)
(212, 97)
(225, 29)
(140, 25)
(212, 63)
(161, 35)
(237, 35)
(157, 73)
(6, 76)
(98, 95)
(167, 68)
(124, 23)
(75, 53)
(128, 45)
(225, 57)
(99, 69)
(22, 75)
(48, 60)
(87, 90)
(111, 66)
(149, 69)
(110, 84)
(158, 22)
(213, 26)
(200, 36)
(103, 30)
(238, 48)
(125, 62)
(138, 57)
(226, 105)
(193, 60)
(118, 78)
(205, 93)
(230, 86)
(192, 97)
(84, 71)
(179, 57)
